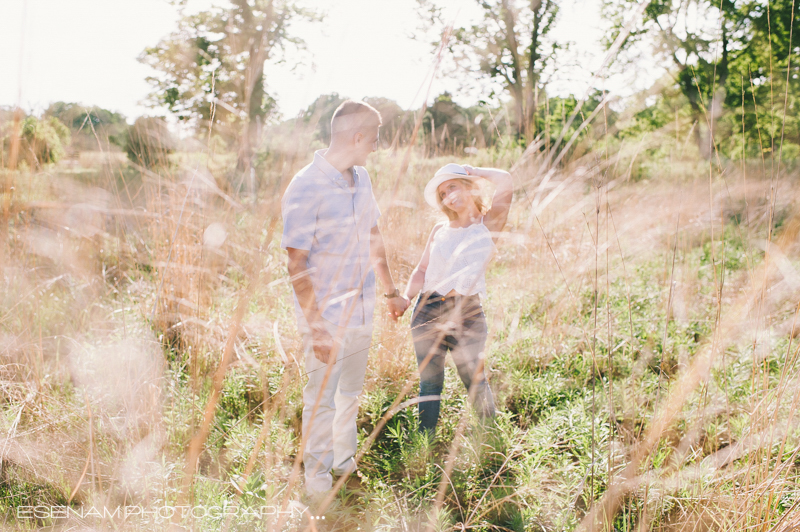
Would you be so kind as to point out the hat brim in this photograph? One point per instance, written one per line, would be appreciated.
(433, 185)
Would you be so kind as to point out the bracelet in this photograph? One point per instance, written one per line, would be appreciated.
(393, 295)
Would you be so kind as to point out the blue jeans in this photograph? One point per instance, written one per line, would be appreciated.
(456, 324)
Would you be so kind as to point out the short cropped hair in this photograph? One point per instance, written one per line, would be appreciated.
(352, 115)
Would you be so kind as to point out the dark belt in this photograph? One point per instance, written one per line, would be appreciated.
(435, 296)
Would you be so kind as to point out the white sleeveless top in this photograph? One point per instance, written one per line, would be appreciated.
(458, 260)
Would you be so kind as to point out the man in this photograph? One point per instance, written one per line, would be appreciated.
(331, 235)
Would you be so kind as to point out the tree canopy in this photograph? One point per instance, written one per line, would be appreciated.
(86, 121)
(510, 46)
(211, 69)
(217, 56)
(724, 56)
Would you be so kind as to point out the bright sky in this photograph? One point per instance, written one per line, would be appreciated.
(85, 51)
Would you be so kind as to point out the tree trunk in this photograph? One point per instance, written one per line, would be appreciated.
(538, 8)
(516, 68)
(718, 98)
(253, 93)
(700, 125)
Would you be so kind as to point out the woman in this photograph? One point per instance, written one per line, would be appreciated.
(451, 277)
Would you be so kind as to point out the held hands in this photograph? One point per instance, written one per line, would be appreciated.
(323, 341)
(397, 306)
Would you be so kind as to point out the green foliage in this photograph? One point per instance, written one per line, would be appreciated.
(529, 396)
(730, 63)
(241, 397)
(7, 133)
(18, 488)
(449, 124)
(647, 120)
(321, 112)
(511, 48)
(43, 140)
(86, 122)
(397, 123)
(218, 57)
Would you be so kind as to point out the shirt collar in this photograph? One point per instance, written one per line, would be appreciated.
(327, 168)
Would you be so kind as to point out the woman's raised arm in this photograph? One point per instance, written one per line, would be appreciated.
(497, 216)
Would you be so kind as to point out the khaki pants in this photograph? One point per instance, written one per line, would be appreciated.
(331, 437)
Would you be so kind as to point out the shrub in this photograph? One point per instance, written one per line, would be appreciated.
(791, 151)
(149, 143)
(43, 140)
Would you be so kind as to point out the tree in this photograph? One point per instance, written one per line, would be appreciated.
(149, 143)
(322, 111)
(447, 123)
(511, 46)
(712, 46)
(446, 120)
(212, 67)
(766, 79)
(397, 123)
(86, 121)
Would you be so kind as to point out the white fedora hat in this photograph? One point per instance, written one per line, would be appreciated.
(445, 173)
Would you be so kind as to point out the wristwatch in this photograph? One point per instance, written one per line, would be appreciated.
(393, 295)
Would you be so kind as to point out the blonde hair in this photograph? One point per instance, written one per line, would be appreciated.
(476, 197)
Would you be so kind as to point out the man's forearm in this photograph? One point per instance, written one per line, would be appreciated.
(380, 263)
(307, 299)
(382, 270)
(304, 291)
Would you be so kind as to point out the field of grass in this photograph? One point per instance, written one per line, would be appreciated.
(642, 352)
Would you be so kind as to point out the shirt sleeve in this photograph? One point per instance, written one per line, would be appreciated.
(299, 211)
(375, 210)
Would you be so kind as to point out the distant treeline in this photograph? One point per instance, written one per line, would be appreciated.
(658, 120)
(66, 129)
(446, 127)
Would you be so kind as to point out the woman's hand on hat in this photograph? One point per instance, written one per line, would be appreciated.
(470, 170)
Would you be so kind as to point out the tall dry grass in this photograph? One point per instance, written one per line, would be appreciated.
(642, 348)
(148, 312)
